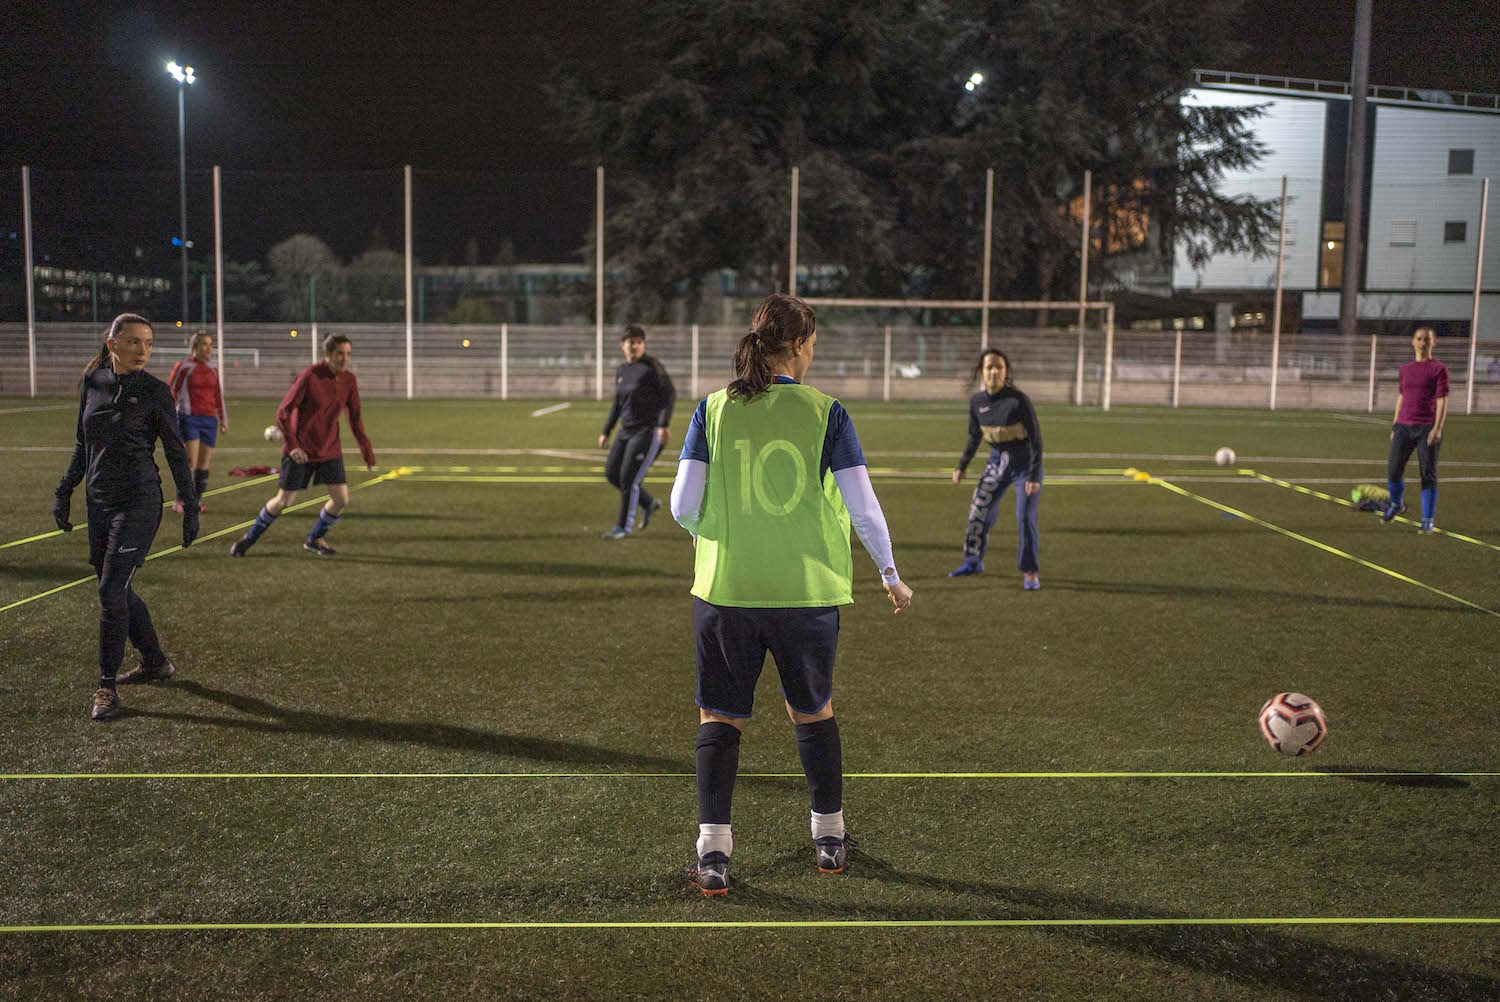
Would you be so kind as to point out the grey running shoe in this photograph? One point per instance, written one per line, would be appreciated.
(106, 704)
(140, 673)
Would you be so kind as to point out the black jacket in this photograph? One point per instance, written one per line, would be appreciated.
(120, 419)
(1007, 422)
(644, 397)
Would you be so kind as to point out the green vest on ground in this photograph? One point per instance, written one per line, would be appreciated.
(772, 534)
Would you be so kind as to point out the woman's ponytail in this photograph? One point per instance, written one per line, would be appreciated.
(780, 321)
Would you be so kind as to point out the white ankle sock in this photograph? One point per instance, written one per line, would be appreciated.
(827, 825)
(714, 838)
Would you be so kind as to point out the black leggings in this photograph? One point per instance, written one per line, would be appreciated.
(1405, 439)
(118, 540)
(629, 459)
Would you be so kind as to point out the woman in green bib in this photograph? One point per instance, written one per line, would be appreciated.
(770, 480)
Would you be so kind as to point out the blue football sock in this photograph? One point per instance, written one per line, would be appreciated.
(1429, 503)
(1398, 491)
(320, 528)
(262, 523)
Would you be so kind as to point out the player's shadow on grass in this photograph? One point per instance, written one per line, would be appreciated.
(1394, 777)
(521, 568)
(592, 595)
(54, 573)
(267, 718)
(1238, 593)
(1256, 955)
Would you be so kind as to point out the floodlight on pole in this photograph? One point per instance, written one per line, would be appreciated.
(185, 78)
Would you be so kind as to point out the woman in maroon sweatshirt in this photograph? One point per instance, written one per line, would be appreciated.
(310, 453)
(1421, 410)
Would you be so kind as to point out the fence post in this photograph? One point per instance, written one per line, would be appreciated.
(219, 275)
(312, 314)
(410, 383)
(1109, 350)
(694, 382)
(1370, 404)
(791, 278)
(1484, 208)
(1276, 313)
(885, 379)
(1083, 273)
(30, 292)
(505, 361)
(989, 230)
(1177, 370)
(1078, 378)
(598, 282)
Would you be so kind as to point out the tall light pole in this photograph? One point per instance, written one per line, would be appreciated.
(185, 79)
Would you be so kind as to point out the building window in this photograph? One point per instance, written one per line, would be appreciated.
(1403, 232)
(1460, 161)
(1455, 233)
(1331, 256)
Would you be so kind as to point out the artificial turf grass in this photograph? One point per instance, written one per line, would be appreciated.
(485, 627)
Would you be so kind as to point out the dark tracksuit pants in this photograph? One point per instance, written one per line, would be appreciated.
(629, 458)
(119, 538)
(1000, 473)
(1409, 438)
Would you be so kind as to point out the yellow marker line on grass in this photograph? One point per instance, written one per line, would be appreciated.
(1300, 489)
(1012, 923)
(1326, 548)
(33, 776)
(201, 539)
(918, 477)
(165, 504)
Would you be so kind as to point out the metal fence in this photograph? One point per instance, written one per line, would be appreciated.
(854, 361)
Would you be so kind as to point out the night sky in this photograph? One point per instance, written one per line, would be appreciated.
(311, 114)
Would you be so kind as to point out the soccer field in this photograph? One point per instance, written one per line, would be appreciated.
(457, 758)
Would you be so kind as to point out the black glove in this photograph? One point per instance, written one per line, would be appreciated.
(60, 508)
(189, 523)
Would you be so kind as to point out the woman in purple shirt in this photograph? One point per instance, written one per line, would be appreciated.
(1421, 409)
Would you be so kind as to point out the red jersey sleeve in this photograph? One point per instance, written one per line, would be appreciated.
(356, 425)
(288, 410)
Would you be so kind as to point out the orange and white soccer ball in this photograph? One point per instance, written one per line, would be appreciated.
(1293, 724)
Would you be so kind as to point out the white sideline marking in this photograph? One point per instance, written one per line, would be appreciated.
(29, 410)
(551, 410)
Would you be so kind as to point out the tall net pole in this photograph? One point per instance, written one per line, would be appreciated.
(1276, 312)
(989, 231)
(219, 273)
(30, 289)
(599, 282)
(791, 267)
(1083, 283)
(1354, 181)
(410, 383)
(1484, 211)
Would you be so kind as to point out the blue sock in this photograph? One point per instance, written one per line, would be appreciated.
(324, 523)
(1398, 491)
(1429, 503)
(262, 523)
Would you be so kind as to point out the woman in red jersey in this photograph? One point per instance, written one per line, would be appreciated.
(200, 409)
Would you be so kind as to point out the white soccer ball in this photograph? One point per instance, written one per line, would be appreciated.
(1224, 456)
(1293, 724)
(273, 433)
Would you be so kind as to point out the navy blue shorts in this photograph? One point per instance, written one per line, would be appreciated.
(296, 476)
(126, 530)
(731, 646)
(199, 426)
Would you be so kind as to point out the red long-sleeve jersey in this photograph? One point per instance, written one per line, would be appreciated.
(309, 414)
(196, 389)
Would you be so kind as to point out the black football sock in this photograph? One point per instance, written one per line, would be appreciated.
(718, 764)
(823, 762)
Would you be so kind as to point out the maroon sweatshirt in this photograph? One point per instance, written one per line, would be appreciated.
(309, 414)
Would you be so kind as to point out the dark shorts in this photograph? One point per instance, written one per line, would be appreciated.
(201, 427)
(126, 530)
(296, 476)
(731, 646)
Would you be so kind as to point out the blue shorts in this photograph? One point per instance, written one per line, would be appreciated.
(200, 427)
(730, 651)
(296, 476)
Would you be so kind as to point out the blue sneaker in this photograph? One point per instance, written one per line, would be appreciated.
(1392, 509)
(1030, 582)
(1427, 525)
(616, 533)
(971, 565)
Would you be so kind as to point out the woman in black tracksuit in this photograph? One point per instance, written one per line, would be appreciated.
(122, 411)
(644, 397)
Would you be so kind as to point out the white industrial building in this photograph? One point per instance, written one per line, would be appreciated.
(1429, 152)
